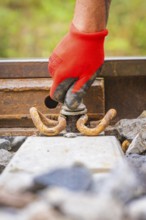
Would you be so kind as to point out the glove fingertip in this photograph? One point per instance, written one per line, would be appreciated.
(50, 103)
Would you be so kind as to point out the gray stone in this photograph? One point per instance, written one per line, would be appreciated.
(138, 145)
(9, 138)
(41, 210)
(38, 210)
(5, 144)
(136, 210)
(5, 157)
(70, 135)
(124, 183)
(8, 216)
(127, 128)
(84, 206)
(74, 178)
(119, 196)
(138, 163)
(16, 142)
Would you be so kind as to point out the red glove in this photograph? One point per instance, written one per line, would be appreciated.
(73, 65)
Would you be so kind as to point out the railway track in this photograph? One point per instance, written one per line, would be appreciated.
(26, 83)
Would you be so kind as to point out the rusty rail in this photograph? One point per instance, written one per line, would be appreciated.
(38, 68)
(122, 87)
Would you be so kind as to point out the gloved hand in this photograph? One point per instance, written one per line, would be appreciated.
(73, 65)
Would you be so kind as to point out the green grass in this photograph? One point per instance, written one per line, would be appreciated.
(32, 28)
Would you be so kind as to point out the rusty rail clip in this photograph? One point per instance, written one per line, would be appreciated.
(50, 127)
(99, 128)
(43, 123)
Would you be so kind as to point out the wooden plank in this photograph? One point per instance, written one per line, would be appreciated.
(38, 68)
(41, 154)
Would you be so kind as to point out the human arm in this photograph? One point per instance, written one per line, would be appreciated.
(80, 54)
(91, 15)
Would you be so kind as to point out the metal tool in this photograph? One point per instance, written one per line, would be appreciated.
(72, 121)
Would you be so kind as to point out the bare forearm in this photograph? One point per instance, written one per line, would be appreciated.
(91, 15)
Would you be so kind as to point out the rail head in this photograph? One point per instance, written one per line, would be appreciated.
(38, 68)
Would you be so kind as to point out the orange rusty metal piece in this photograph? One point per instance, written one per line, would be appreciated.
(99, 128)
(47, 121)
(125, 145)
(42, 123)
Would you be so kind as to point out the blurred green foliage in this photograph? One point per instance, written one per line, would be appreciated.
(32, 28)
